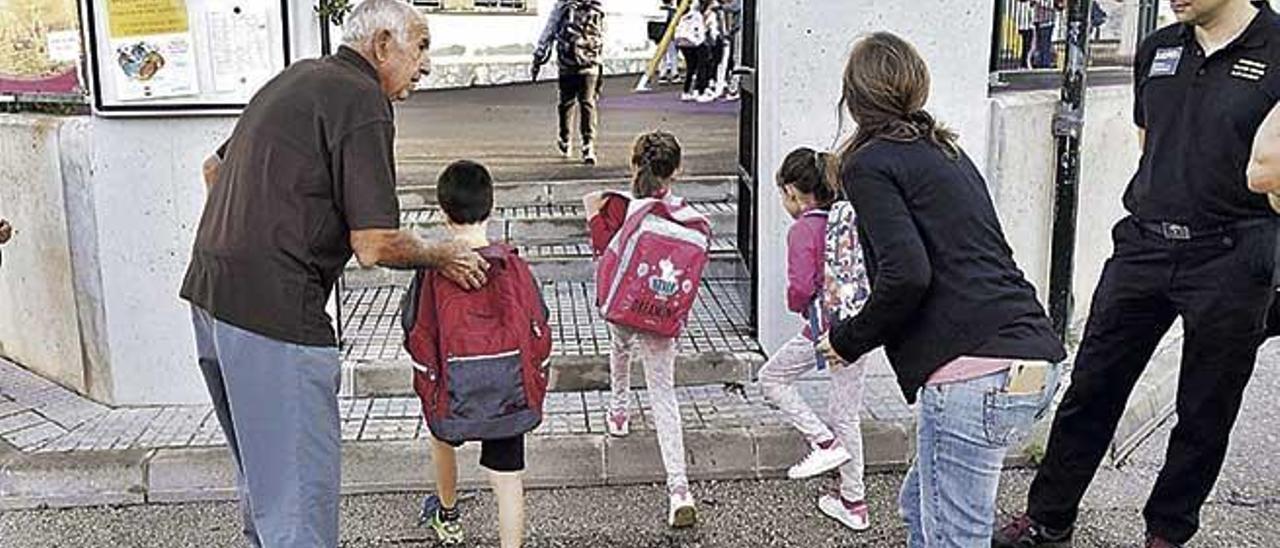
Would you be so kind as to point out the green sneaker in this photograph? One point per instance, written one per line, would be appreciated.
(449, 532)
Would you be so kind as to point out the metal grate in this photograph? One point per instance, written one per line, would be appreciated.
(433, 215)
(718, 323)
(1029, 34)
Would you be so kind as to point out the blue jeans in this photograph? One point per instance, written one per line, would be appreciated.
(962, 434)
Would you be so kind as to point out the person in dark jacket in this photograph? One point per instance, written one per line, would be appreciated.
(962, 328)
(1198, 246)
(576, 29)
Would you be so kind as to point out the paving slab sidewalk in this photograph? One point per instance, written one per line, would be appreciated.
(59, 449)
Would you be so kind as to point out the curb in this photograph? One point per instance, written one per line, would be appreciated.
(130, 477)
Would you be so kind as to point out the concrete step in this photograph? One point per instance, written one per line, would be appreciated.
(419, 190)
(553, 224)
(556, 262)
(717, 347)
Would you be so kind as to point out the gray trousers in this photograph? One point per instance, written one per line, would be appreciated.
(278, 406)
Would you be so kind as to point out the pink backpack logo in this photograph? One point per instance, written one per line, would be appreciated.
(648, 277)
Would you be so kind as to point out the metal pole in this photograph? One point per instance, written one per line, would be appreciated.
(1068, 126)
(998, 36)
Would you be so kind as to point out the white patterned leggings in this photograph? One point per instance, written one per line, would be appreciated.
(844, 404)
(658, 354)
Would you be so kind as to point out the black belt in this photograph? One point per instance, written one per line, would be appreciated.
(1176, 231)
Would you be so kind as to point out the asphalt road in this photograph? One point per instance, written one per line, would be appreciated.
(1244, 510)
(512, 130)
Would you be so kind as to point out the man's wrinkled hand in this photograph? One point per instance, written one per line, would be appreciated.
(829, 353)
(462, 265)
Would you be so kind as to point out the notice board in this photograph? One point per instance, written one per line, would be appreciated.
(172, 57)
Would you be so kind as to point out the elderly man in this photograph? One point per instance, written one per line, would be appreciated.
(306, 178)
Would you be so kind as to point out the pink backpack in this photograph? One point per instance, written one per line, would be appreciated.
(648, 277)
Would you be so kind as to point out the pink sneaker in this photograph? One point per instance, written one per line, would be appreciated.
(854, 515)
(618, 423)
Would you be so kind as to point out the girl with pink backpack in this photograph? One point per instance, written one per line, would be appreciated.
(651, 248)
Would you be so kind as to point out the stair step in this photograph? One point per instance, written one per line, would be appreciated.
(554, 223)
(573, 262)
(703, 188)
(718, 345)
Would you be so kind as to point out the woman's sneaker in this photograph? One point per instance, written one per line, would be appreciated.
(819, 461)
(854, 515)
(688, 97)
(448, 528)
(618, 423)
(682, 513)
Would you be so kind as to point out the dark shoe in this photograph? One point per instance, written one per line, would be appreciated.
(563, 147)
(1157, 542)
(1024, 532)
(589, 155)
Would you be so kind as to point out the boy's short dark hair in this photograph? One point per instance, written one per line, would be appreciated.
(465, 192)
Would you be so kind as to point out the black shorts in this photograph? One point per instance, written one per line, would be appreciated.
(504, 455)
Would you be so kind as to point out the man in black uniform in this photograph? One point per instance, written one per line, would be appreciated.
(1197, 244)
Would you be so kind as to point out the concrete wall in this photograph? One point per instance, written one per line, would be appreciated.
(802, 58)
(38, 317)
(148, 196)
(1020, 171)
(105, 212)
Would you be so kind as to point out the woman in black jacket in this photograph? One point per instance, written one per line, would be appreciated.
(961, 326)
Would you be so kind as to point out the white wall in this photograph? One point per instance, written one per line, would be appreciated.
(148, 196)
(38, 318)
(802, 55)
(1021, 171)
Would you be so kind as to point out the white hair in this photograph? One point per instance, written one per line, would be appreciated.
(372, 16)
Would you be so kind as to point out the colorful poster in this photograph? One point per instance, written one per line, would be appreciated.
(39, 47)
(154, 56)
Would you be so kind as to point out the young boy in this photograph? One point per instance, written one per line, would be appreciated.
(465, 193)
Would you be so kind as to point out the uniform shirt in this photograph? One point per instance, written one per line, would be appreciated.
(310, 160)
(1201, 116)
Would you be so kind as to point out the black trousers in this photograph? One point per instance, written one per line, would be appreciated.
(697, 73)
(583, 91)
(1221, 286)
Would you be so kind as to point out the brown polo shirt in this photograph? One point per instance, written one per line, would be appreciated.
(310, 160)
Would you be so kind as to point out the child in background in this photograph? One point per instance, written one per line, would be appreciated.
(806, 181)
(465, 193)
(655, 161)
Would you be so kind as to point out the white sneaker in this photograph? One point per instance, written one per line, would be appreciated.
(854, 515)
(707, 97)
(820, 461)
(618, 423)
(687, 97)
(682, 513)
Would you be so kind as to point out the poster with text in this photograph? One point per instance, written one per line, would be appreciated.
(240, 47)
(39, 47)
(152, 50)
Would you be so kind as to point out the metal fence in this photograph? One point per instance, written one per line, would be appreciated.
(1029, 34)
